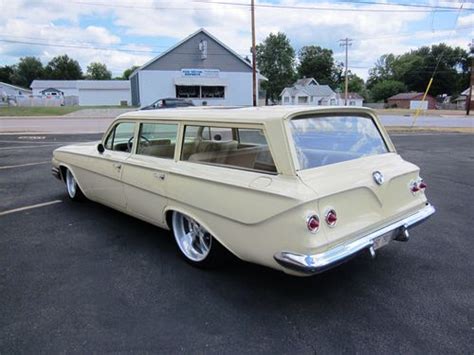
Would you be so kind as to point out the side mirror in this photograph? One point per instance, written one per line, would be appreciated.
(100, 148)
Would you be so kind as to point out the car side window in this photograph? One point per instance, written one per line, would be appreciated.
(157, 139)
(120, 137)
(223, 146)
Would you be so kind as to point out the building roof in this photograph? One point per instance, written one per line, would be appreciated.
(306, 81)
(310, 90)
(14, 86)
(243, 114)
(406, 96)
(466, 92)
(81, 84)
(201, 30)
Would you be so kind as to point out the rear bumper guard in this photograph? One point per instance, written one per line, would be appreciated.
(317, 263)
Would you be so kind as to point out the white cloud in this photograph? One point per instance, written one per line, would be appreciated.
(32, 21)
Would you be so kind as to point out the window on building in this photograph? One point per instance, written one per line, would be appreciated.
(352, 103)
(120, 137)
(157, 140)
(183, 91)
(333, 102)
(302, 99)
(286, 99)
(241, 148)
(200, 92)
(212, 91)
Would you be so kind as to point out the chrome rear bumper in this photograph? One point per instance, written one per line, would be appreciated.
(317, 263)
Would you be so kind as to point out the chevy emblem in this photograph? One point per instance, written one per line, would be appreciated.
(378, 177)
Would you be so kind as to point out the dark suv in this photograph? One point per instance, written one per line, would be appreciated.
(168, 103)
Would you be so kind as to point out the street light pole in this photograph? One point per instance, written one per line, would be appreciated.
(346, 42)
(254, 58)
(471, 82)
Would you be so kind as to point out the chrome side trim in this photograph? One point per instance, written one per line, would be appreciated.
(317, 263)
(56, 173)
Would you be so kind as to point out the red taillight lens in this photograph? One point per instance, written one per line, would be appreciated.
(331, 218)
(422, 185)
(313, 223)
(415, 188)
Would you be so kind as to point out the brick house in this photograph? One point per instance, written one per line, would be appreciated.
(409, 100)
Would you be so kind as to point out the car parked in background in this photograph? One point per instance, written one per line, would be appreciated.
(168, 103)
(296, 189)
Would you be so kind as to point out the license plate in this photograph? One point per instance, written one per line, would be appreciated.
(383, 240)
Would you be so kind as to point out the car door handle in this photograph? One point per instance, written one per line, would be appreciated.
(159, 175)
(117, 167)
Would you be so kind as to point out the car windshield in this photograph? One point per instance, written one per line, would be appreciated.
(324, 140)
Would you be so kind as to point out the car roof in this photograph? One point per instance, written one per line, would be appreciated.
(262, 114)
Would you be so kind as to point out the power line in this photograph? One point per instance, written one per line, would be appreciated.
(275, 6)
(422, 8)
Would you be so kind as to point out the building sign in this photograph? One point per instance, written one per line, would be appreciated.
(200, 73)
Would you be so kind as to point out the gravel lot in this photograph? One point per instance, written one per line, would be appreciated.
(80, 277)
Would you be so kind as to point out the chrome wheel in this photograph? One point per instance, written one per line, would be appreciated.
(71, 184)
(193, 240)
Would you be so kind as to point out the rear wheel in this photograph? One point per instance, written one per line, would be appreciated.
(73, 190)
(195, 243)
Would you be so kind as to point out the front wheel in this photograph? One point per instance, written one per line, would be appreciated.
(195, 243)
(73, 190)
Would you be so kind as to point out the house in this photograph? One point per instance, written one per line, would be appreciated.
(7, 90)
(353, 99)
(307, 91)
(460, 101)
(87, 92)
(200, 68)
(412, 100)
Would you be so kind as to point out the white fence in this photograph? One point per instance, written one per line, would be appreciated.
(42, 101)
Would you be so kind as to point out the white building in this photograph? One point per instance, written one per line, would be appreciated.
(200, 68)
(307, 91)
(353, 99)
(88, 92)
(7, 90)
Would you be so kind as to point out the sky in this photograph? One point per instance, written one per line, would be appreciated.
(123, 33)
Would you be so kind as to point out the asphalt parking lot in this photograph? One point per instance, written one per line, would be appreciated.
(80, 277)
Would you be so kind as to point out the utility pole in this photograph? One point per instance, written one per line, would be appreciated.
(254, 58)
(346, 42)
(471, 82)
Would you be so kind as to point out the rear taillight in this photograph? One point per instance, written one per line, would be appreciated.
(331, 218)
(417, 185)
(313, 223)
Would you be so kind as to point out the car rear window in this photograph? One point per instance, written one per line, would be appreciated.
(324, 140)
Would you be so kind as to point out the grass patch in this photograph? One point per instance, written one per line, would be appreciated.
(415, 130)
(46, 111)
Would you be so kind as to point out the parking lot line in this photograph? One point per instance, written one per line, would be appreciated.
(21, 165)
(31, 146)
(44, 204)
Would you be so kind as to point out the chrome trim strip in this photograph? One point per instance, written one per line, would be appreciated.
(317, 263)
(56, 173)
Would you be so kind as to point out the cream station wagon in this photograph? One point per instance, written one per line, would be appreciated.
(296, 189)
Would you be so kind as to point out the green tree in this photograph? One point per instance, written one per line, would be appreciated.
(63, 68)
(5, 73)
(415, 68)
(318, 63)
(276, 60)
(27, 70)
(98, 71)
(386, 88)
(127, 72)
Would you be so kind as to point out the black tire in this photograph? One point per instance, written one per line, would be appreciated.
(195, 244)
(73, 190)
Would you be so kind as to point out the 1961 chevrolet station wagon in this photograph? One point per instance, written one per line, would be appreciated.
(296, 189)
